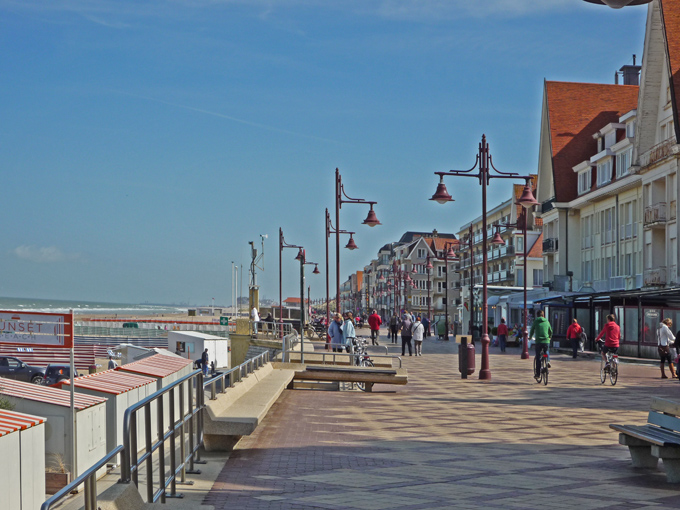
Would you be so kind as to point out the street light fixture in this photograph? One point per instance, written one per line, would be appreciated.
(371, 220)
(283, 244)
(618, 4)
(485, 163)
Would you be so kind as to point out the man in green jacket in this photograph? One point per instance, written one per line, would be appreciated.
(541, 328)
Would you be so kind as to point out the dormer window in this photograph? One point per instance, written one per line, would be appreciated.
(623, 161)
(584, 181)
(600, 144)
(630, 129)
(604, 172)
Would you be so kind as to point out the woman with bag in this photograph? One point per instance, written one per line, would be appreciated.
(574, 332)
(665, 339)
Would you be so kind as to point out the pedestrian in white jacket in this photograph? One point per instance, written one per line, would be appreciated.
(418, 331)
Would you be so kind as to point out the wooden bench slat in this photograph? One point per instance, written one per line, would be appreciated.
(652, 434)
(664, 405)
(664, 420)
(363, 370)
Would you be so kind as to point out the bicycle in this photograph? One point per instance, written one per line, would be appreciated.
(609, 366)
(544, 366)
(361, 357)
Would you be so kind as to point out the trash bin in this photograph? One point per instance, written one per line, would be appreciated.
(466, 358)
(92, 369)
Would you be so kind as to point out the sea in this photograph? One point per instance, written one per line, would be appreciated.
(87, 307)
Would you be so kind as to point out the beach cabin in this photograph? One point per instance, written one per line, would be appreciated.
(165, 369)
(190, 345)
(22, 472)
(121, 390)
(55, 405)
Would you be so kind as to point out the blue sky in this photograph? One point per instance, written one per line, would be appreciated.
(144, 143)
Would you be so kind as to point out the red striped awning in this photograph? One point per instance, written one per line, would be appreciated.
(46, 394)
(11, 421)
(114, 382)
(158, 365)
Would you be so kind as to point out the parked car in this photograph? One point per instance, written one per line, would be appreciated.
(14, 368)
(56, 373)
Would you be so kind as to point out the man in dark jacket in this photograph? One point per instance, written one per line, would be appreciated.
(374, 321)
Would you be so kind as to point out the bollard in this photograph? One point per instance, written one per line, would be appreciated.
(463, 358)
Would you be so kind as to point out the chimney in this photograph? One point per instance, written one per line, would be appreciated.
(434, 233)
(631, 74)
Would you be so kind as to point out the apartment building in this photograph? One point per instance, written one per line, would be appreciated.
(608, 191)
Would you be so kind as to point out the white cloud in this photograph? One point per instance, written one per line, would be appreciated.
(44, 254)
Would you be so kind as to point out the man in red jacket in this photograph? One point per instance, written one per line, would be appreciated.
(374, 322)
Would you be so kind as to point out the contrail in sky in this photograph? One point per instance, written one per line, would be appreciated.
(228, 117)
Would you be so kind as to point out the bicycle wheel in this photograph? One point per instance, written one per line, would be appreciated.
(614, 372)
(603, 374)
(364, 363)
(544, 370)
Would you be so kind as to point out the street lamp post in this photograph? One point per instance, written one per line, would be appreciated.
(371, 220)
(484, 175)
(301, 256)
(351, 245)
(282, 244)
(497, 239)
(470, 242)
(428, 267)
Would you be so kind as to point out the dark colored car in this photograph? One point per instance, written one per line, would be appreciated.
(14, 368)
(56, 373)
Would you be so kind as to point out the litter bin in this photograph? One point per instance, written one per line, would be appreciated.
(466, 357)
(92, 369)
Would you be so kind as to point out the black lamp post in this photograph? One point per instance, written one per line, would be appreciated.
(282, 244)
(484, 175)
(371, 220)
(351, 245)
(301, 256)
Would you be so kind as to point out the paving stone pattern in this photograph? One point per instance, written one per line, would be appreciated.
(442, 442)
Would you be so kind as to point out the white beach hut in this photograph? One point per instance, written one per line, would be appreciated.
(22, 472)
(121, 390)
(55, 405)
(190, 345)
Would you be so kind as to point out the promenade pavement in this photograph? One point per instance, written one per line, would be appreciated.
(441, 442)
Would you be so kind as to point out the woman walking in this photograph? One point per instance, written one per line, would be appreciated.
(406, 335)
(418, 331)
(394, 328)
(574, 332)
(348, 332)
(665, 339)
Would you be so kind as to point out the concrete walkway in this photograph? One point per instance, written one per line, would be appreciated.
(442, 442)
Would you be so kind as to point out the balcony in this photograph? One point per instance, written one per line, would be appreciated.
(655, 277)
(658, 153)
(550, 245)
(655, 215)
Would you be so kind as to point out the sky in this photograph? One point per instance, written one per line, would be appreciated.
(144, 143)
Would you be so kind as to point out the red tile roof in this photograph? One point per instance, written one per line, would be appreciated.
(537, 249)
(670, 14)
(576, 111)
(11, 421)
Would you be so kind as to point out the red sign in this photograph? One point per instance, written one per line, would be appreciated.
(37, 329)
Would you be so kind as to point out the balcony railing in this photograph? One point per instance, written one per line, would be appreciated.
(657, 153)
(655, 277)
(550, 245)
(655, 214)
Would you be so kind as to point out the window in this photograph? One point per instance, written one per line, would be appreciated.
(604, 172)
(584, 182)
(538, 277)
(520, 245)
(587, 271)
(421, 253)
(623, 163)
(520, 275)
(439, 286)
(441, 270)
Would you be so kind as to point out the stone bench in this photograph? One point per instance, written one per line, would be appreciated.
(342, 373)
(239, 410)
(658, 439)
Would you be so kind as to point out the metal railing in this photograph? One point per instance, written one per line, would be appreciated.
(268, 329)
(655, 276)
(188, 426)
(655, 213)
(550, 245)
(227, 379)
(657, 153)
(89, 478)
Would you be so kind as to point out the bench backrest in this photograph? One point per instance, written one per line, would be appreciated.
(664, 413)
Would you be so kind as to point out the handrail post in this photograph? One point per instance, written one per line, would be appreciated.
(134, 448)
(182, 447)
(173, 451)
(149, 450)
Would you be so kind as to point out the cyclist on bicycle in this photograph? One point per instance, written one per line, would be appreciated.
(612, 335)
(541, 328)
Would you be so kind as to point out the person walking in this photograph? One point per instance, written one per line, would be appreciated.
(112, 363)
(418, 331)
(204, 362)
(612, 336)
(394, 328)
(664, 340)
(426, 326)
(502, 332)
(335, 333)
(406, 335)
(348, 332)
(543, 333)
(374, 322)
(574, 332)
(255, 317)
